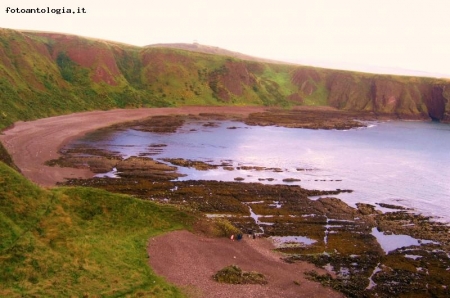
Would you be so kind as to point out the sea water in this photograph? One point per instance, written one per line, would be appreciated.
(403, 163)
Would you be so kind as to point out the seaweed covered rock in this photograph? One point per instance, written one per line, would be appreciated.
(234, 275)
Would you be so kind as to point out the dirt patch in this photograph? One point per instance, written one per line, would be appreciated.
(176, 256)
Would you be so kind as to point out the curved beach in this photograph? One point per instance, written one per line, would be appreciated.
(32, 143)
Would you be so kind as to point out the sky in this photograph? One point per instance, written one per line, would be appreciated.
(379, 36)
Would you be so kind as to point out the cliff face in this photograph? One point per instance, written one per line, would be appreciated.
(44, 74)
(405, 97)
(349, 92)
(436, 103)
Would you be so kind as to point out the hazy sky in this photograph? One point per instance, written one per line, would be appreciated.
(410, 34)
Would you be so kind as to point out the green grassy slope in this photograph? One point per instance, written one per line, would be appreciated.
(75, 241)
(45, 74)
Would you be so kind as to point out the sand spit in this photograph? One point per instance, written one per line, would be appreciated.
(33, 143)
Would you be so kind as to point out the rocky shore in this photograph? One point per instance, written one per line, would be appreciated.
(324, 231)
(347, 242)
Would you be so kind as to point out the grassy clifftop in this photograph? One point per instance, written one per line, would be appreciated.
(70, 241)
(45, 74)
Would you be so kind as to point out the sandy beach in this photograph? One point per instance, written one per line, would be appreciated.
(33, 143)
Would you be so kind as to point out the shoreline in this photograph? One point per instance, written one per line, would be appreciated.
(32, 143)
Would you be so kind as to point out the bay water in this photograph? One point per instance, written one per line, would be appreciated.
(403, 163)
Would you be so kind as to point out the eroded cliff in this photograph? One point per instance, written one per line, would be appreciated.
(44, 74)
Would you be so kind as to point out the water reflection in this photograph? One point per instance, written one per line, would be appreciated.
(396, 162)
(392, 242)
(291, 241)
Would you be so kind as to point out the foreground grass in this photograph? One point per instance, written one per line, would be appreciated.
(78, 241)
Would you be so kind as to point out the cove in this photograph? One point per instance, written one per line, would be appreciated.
(396, 162)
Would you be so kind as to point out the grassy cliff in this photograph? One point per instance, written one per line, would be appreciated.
(70, 241)
(78, 242)
(45, 74)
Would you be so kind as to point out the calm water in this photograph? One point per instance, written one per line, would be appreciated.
(401, 163)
